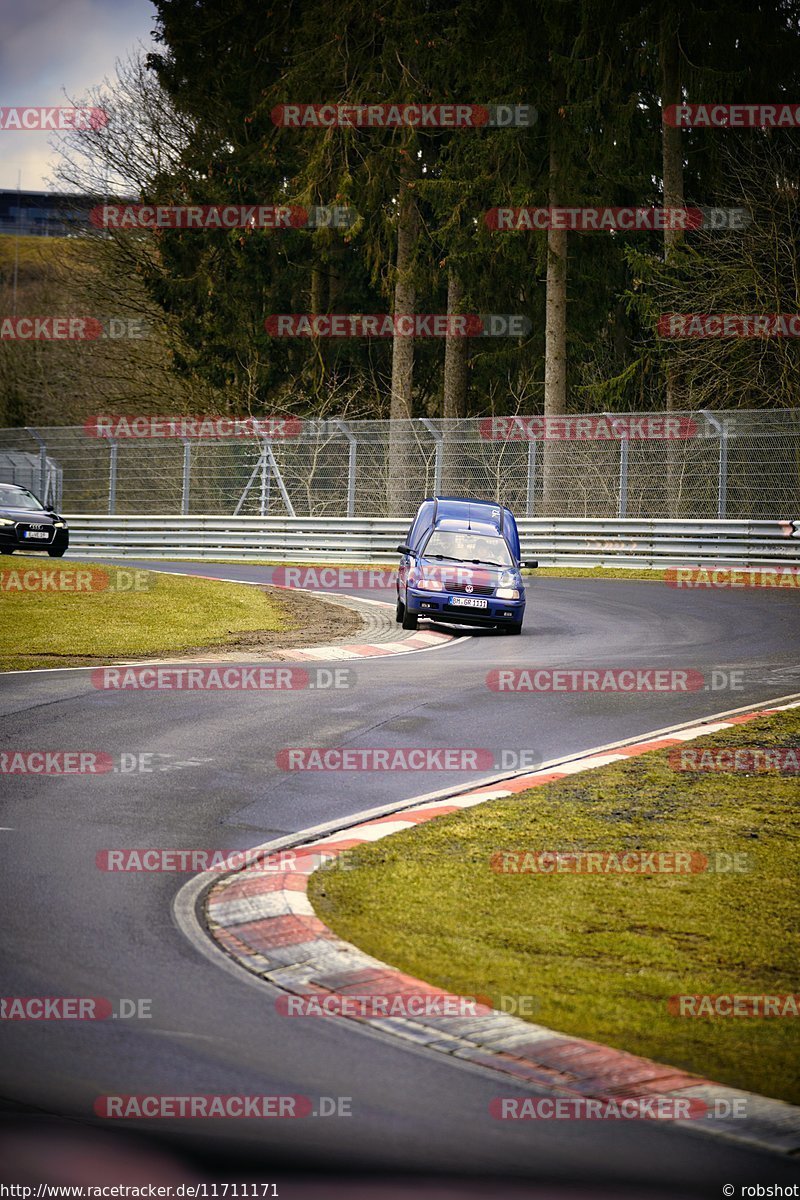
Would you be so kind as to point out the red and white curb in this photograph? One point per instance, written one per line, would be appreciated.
(425, 639)
(262, 918)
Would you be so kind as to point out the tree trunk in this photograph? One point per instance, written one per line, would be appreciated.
(316, 306)
(672, 172)
(335, 266)
(555, 361)
(405, 296)
(671, 148)
(456, 357)
(400, 477)
(456, 353)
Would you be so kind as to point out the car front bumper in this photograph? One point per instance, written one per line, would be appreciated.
(12, 537)
(439, 607)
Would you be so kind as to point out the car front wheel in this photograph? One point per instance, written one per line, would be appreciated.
(410, 620)
(56, 553)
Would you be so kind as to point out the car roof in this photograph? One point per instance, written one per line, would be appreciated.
(459, 508)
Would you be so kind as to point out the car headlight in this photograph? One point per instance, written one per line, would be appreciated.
(430, 585)
(6, 521)
(59, 524)
(507, 593)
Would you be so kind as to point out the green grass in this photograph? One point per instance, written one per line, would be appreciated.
(602, 954)
(656, 575)
(174, 614)
(35, 255)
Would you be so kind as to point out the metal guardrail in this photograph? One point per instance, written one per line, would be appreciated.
(553, 541)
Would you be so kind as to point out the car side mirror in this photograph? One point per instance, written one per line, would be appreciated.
(404, 549)
(530, 563)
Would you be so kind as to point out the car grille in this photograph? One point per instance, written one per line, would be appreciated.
(24, 526)
(475, 589)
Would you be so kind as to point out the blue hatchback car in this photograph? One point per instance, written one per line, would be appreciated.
(461, 564)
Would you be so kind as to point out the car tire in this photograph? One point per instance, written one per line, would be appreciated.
(410, 620)
(56, 553)
(6, 550)
(399, 611)
(514, 628)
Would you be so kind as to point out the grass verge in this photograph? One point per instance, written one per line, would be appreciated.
(655, 575)
(601, 955)
(159, 615)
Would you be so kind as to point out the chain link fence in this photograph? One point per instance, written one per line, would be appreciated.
(726, 464)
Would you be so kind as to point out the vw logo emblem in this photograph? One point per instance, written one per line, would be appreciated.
(468, 587)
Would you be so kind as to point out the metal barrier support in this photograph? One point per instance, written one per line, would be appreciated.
(554, 542)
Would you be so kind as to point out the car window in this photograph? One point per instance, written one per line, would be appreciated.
(467, 547)
(11, 498)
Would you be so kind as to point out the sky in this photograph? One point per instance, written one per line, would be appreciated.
(49, 47)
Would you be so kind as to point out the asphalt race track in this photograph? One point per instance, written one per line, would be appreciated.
(72, 929)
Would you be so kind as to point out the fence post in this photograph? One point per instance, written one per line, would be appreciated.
(187, 469)
(437, 454)
(530, 500)
(42, 463)
(722, 491)
(622, 488)
(351, 466)
(113, 449)
(722, 463)
(278, 478)
(266, 480)
(622, 503)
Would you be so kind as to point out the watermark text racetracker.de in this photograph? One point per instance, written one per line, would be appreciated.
(732, 577)
(615, 220)
(587, 429)
(619, 862)
(157, 859)
(84, 581)
(71, 328)
(622, 680)
(741, 760)
(210, 1106)
(729, 325)
(396, 116)
(222, 216)
(732, 116)
(396, 325)
(362, 579)
(427, 1003)
(149, 426)
(59, 763)
(232, 678)
(406, 758)
(633, 1108)
(735, 1005)
(74, 1008)
(54, 119)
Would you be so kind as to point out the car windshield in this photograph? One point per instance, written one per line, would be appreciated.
(468, 547)
(15, 498)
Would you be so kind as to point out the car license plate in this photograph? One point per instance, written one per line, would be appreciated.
(31, 533)
(469, 602)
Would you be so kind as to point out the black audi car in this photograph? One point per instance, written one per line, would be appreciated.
(25, 523)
